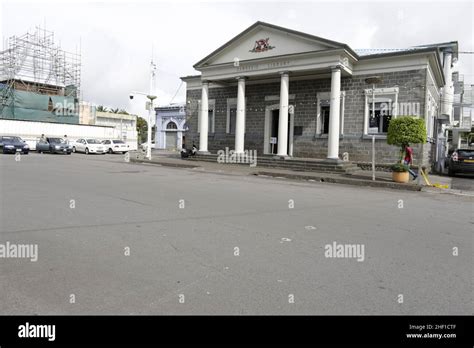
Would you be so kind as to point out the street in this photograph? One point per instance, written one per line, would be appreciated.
(121, 238)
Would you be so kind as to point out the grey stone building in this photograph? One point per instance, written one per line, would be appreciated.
(287, 93)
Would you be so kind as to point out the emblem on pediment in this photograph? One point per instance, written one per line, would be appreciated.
(262, 45)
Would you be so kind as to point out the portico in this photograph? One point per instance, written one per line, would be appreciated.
(262, 54)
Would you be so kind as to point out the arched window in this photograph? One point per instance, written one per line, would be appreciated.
(171, 125)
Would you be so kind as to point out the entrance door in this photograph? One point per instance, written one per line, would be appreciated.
(274, 131)
(171, 140)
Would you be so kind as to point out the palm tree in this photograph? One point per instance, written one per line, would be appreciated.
(115, 111)
(102, 108)
(123, 112)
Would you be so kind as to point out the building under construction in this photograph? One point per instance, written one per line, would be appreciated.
(38, 80)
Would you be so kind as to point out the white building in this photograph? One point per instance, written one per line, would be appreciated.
(170, 127)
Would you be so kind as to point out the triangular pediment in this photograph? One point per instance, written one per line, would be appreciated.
(263, 40)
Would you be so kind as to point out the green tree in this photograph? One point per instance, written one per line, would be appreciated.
(142, 129)
(115, 111)
(123, 112)
(405, 130)
(102, 108)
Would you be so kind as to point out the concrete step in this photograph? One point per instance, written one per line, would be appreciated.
(291, 164)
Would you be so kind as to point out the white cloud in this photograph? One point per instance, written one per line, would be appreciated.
(117, 36)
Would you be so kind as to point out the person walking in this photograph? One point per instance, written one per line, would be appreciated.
(408, 160)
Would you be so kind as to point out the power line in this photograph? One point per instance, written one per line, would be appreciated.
(176, 92)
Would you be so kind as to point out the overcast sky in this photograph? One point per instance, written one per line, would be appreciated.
(116, 37)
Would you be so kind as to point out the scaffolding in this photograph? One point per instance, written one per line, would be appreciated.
(34, 63)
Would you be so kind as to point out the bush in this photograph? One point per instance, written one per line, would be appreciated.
(399, 167)
(405, 130)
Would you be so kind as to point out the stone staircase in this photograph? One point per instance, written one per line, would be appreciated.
(291, 163)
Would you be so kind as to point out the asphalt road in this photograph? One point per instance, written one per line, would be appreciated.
(464, 182)
(190, 251)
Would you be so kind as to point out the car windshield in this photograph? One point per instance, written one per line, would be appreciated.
(93, 141)
(11, 139)
(466, 153)
(56, 140)
(118, 142)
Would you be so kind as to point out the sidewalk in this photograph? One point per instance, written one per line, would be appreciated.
(358, 178)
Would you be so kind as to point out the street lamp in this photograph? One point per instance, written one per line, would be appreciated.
(150, 111)
(151, 97)
(373, 80)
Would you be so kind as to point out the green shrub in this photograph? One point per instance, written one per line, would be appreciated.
(399, 167)
(405, 130)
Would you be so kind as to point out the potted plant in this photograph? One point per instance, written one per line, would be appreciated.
(402, 131)
(400, 173)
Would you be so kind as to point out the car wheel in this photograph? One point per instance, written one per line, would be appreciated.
(87, 151)
(124, 152)
(73, 149)
(110, 151)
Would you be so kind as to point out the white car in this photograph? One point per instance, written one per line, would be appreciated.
(114, 146)
(88, 146)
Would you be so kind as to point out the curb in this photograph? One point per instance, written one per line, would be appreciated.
(447, 191)
(346, 181)
(164, 164)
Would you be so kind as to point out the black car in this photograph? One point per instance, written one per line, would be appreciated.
(53, 145)
(13, 144)
(461, 161)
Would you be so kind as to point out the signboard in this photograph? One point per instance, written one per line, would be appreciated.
(373, 130)
(273, 140)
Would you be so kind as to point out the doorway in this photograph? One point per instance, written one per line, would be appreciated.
(171, 140)
(274, 123)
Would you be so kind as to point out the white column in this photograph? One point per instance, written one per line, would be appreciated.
(203, 129)
(240, 117)
(283, 118)
(448, 89)
(333, 136)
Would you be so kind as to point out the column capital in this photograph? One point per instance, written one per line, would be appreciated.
(241, 78)
(205, 82)
(284, 72)
(336, 67)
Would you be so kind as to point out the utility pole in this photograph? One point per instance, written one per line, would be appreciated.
(151, 97)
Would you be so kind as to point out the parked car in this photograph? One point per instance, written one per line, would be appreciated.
(53, 145)
(13, 144)
(461, 161)
(114, 146)
(88, 146)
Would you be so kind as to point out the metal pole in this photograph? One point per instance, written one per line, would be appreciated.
(373, 136)
(148, 148)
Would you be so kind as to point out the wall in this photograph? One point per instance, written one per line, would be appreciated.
(411, 85)
(30, 131)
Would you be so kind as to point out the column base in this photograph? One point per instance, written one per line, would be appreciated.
(283, 157)
(203, 153)
(334, 160)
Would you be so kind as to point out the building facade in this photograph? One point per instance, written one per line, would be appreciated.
(170, 127)
(287, 93)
